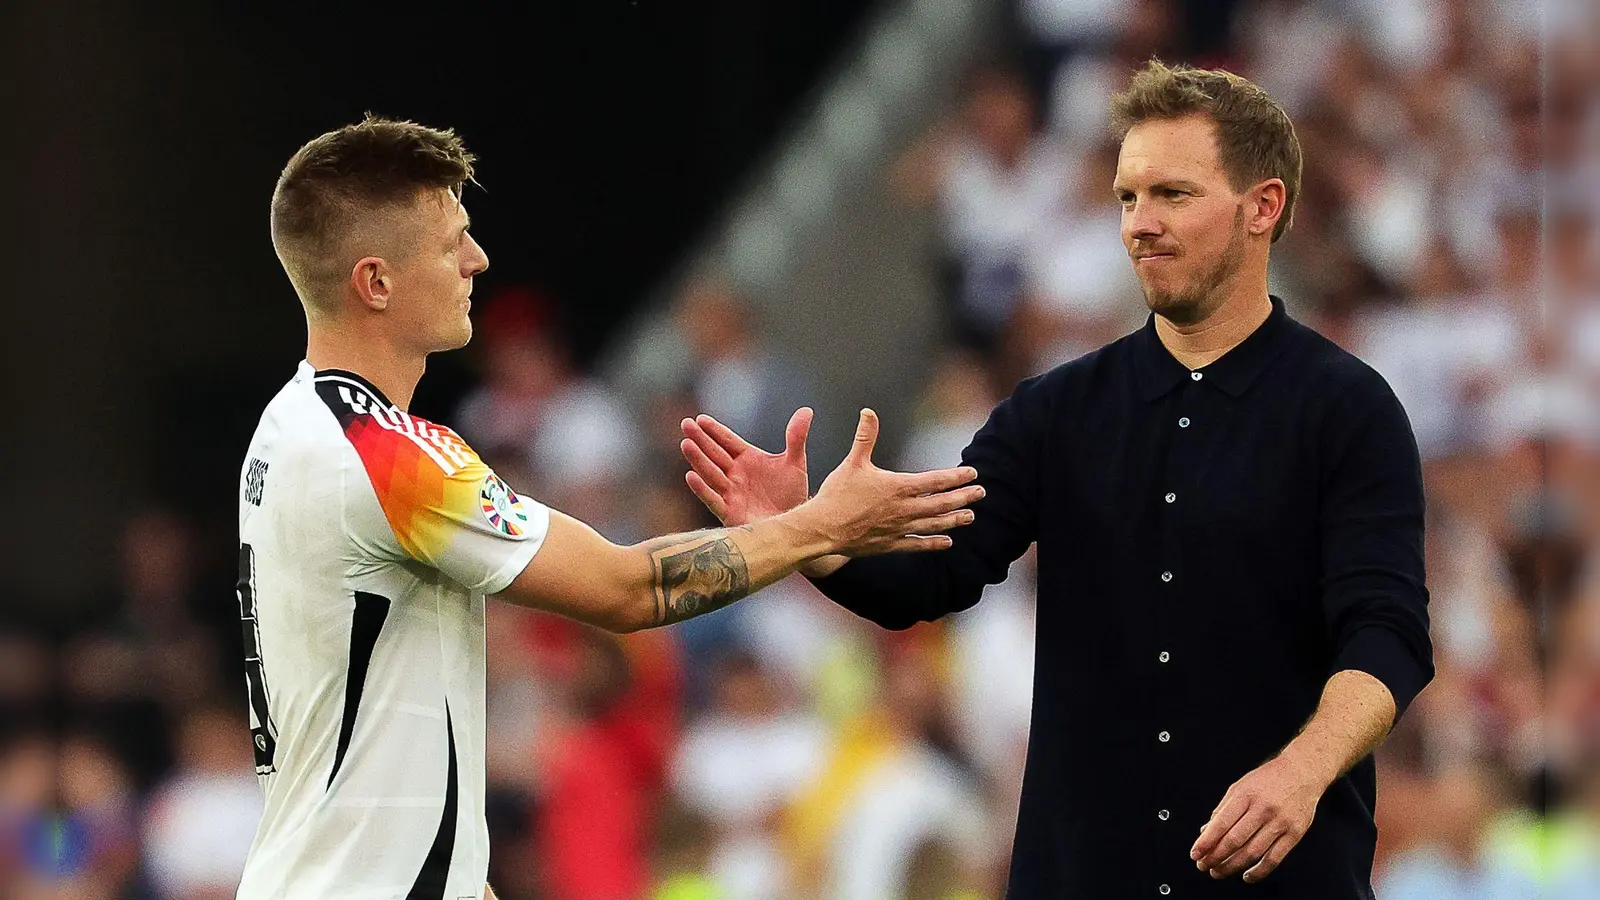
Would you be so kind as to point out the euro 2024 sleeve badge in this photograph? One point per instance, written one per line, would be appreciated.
(502, 507)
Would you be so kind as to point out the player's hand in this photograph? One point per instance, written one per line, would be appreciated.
(865, 510)
(739, 482)
(1260, 819)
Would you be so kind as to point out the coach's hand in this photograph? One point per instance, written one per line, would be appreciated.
(863, 510)
(1260, 819)
(739, 482)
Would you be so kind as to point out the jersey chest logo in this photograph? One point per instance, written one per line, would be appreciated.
(501, 506)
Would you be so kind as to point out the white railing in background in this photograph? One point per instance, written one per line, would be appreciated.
(843, 276)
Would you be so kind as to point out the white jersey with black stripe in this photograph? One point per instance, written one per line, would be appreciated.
(368, 540)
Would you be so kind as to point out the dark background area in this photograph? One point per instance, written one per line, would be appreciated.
(152, 321)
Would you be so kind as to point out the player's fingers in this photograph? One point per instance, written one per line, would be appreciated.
(866, 438)
(703, 466)
(794, 447)
(949, 501)
(1250, 853)
(707, 496)
(1237, 837)
(919, 543)
(724, 436)
(713, 450)
(938, 480)
(1223, 818)
(1272, 859)
(938, 524)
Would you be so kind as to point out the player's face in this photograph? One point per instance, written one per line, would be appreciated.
(1182, 222)
(434, 284)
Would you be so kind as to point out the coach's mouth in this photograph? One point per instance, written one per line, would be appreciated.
(1152, 257)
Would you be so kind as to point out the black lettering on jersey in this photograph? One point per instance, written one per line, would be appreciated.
(255, 481)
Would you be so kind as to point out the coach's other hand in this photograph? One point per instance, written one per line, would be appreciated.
(1260, 819)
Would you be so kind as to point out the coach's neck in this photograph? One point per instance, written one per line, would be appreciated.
(1198, 344)
(374, 357)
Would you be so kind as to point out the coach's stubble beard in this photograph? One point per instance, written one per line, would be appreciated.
(1200, 297)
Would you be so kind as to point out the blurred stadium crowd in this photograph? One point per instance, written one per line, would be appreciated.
(782, 748)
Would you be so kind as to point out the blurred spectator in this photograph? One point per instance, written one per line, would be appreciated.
(898, 792)
(1451, 863)
(995, 181)
(733, 376)
(201, 819)
(149, 655)
(740, 766)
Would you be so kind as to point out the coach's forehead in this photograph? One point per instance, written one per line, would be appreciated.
(1168, 148)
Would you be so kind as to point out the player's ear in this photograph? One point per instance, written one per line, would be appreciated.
(372, 281)
(1264, 205)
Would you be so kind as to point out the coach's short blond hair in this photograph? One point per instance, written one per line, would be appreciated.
(336, 180)
(1255, 139)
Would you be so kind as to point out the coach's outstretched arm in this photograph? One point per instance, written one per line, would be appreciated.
(741, 483)
(860, 510)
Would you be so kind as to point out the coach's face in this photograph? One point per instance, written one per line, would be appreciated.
(1182, 222)
(433, 282)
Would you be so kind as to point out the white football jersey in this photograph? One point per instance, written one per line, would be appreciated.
(368, 539)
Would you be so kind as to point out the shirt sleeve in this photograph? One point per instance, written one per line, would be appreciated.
(442, 506)
(899, 590)
(1374, 596)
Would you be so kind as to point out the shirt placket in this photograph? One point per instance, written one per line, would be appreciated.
(1166, 655)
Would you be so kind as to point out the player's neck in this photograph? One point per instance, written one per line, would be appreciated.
(1204, 342)
(391, 370)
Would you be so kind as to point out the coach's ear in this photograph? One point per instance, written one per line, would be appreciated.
(1264, 205)
(371, 281)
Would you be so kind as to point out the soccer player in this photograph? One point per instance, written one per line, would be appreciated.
(1229, 514)
(370, 537)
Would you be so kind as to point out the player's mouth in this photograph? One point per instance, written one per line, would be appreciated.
(1153, 257)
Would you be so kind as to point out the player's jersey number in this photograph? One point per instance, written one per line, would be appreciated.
(263, 732)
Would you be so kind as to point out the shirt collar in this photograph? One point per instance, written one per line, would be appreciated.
(1158, 372)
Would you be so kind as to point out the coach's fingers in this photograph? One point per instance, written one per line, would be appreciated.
(1272, 859)
(1249, 854)
(794, 437)
(707, 496)
(715, 451)
(724, 436)
(1223, 818)
(1242, 832)
(710, 472)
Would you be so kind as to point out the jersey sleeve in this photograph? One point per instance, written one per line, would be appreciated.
(442, 505)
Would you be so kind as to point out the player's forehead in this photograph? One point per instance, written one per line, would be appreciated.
(1168, 149)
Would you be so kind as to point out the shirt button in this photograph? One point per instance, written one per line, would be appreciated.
(1164, 815)
(1183, 422)
(1165, 889)
(1163, 737)
(1164, 656)
(1196, 376)
(1166, 576)
(1171, 497)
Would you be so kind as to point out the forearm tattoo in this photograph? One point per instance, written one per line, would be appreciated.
(696, 574)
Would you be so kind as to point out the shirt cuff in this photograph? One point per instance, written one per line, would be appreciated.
(1384, 654)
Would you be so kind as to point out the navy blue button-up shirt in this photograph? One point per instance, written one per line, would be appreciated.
(1213, 546)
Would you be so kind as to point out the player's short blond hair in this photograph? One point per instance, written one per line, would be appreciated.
(341, 177)
(1255, 139)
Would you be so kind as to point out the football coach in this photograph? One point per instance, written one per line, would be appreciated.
(1228, 508)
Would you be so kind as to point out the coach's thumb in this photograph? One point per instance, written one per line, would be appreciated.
(866, 438)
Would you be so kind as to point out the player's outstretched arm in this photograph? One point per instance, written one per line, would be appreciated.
(860, 510)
